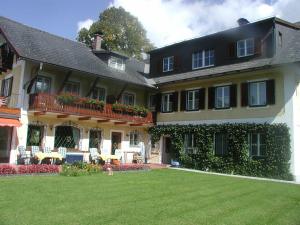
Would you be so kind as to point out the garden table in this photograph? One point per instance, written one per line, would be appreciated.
(53, 155)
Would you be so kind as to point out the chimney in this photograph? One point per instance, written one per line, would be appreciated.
(242, 21)
(97, 42)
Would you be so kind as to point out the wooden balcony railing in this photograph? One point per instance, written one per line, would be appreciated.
(49, 103)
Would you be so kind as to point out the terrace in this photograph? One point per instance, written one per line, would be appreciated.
(84, 109)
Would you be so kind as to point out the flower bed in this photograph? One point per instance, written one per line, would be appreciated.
(125, 167)
(28, 169)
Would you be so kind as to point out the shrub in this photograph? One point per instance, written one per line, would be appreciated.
(7, 169)
(275, 164)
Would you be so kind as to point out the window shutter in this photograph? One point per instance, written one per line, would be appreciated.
(158, 102)
(211, 97)
(233, 95)
(257, 46)
(2, 87)
(270, 92)
(244, 92)
(232, 50)
(159, 65)
(10, 86)
(177, 65)
(175, 101)
(183, 100)
(202, 98)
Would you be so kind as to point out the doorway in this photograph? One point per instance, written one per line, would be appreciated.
(166, 151)
(5, 143)
(116, 140)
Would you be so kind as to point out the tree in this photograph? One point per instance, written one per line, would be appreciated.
(121, 32)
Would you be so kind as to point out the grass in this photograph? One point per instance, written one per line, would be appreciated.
(156, 197)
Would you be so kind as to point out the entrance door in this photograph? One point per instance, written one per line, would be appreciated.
(116, 139)
(5, 144)
(166, 153)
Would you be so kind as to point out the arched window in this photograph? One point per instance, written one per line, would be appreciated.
(67, 136)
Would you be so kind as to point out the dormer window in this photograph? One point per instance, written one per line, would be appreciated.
(116, 63)
(204, 58)
(168, 64)
(245, 47)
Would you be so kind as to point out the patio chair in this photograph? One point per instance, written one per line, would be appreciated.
(47, 150)
(34, 151)
(94, 155)
(63, 152)
(23, 155)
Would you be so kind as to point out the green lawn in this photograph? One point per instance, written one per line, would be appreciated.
(156, 197)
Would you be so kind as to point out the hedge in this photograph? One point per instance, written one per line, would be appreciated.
(275, 163)
(28, 169)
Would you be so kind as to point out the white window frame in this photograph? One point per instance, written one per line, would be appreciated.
(116, 63)
(258, 94)
(224, 151)
(128, 94)
(246, 48)
(192, 148)
(169, 104)
(191, 105)
(223, 106)
(43, 84)
(202, 53)
(151, 107)
(7, 86)
(72, 83)
(134, 139)
(98, 96)
(258, 144)
(169, 61)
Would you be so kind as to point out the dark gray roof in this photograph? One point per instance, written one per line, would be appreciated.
(288, 53)
(37, 45)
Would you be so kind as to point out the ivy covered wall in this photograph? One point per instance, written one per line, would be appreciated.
(274, 163)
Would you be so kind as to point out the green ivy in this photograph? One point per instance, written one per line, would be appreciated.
(275, 164)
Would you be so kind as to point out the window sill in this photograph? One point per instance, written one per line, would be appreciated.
(244, 56)
(203, 67)
(192, 111)
(258, 107)
(222, 109)
(168, 112)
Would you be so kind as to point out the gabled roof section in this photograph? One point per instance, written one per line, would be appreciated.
(33, 44)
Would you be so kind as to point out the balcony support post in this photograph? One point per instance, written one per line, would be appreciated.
(92, 87)
(64, 82)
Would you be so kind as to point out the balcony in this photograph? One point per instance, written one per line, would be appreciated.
(42, 103)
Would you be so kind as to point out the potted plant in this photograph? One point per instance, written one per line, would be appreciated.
(117, 108)
(67, 99)
(94, 104)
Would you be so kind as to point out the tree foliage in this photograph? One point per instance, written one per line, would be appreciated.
(121, 32)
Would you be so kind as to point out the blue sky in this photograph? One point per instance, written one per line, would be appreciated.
(59, 17)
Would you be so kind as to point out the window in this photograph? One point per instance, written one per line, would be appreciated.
(6, 87)
(35, 135)
(67, 136)
(167, 104)
(134, 139)
(168, 64)
(280, 43)
(72, 88)
(192, 100)
(116, 63)
(95, 139)
(189, 143)
(152, 102)
(222, 99)
(203, 58)
(98, 93)
(245, 47)
(221, 144)
(257, 145)
(257, 93)
(42, 85)
(128, 99)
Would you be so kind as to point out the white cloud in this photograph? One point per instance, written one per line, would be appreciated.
(84, 24)
(169, 21)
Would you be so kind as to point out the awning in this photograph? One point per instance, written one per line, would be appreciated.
(9, 122)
